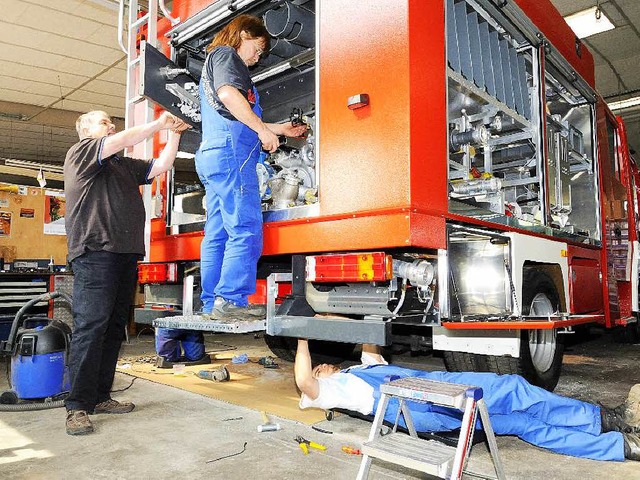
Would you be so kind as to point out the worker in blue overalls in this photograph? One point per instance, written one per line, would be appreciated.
(174, 345)
(233, 134)
(560, 424)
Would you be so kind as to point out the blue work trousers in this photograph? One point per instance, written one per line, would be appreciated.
(226, 165)
(560, 424)
(103, 288)
(172, 342)
(232, 241)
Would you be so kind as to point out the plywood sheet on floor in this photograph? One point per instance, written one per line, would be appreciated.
(251, 385)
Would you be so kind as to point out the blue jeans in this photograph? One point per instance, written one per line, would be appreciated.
(103, 288)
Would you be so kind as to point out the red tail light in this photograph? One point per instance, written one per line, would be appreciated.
(349, 267)
(157, 273)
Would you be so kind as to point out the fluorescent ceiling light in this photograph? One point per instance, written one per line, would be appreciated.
(628, 103)
(45, 167)
(585, 23)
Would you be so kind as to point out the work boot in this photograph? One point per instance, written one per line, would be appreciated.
(631, 446)
(612, 420)
(113, 406)
(78, 423)
(630, 409)
(225, 310)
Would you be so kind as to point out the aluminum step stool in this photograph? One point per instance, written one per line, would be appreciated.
(428, 456)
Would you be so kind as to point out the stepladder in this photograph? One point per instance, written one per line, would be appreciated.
(429, 456)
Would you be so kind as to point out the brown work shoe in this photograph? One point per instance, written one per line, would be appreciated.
(78, 423)
(113, 406)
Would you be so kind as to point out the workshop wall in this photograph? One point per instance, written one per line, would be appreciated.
(23, 213)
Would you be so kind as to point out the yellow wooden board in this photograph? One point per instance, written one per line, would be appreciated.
(251, 385)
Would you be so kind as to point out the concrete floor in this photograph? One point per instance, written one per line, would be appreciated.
(173, 433)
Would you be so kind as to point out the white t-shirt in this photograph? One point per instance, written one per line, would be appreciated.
(345, 391)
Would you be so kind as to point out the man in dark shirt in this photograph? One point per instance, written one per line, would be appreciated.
(105, 238)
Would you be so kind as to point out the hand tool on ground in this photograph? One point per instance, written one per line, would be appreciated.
(219, 375)
(268, 362)
(304, 444)
(321, 430)
(351, 450)
(267, 426)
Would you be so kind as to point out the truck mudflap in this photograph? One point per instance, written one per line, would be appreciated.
(197, 322)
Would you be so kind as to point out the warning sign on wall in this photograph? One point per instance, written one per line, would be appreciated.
(54, 211)
(5, 224)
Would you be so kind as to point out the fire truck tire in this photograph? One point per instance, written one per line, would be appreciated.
(321, 351)
(460, 361)
(629, 333)
(282, 347)
(541, 351)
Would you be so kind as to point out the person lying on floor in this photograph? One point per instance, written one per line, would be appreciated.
(541, 418)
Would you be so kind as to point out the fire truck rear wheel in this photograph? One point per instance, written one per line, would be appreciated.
(629, 333)
(321, 351)
(541, 351)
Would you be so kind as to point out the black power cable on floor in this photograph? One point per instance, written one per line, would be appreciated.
(228, 456)
(125, 388)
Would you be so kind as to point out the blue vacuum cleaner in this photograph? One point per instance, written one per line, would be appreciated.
(39, 360)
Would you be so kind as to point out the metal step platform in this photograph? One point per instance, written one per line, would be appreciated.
(198, 322)
(428, 456)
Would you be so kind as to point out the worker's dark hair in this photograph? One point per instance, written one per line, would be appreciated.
(230, 34)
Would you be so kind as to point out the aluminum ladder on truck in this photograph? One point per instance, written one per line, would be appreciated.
(138, 109)
(428, 456)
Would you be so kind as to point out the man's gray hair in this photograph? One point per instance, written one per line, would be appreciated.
(84, 122)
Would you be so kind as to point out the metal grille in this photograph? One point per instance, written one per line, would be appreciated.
(483, 56)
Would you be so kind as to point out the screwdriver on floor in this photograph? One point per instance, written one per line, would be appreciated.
(351, 450)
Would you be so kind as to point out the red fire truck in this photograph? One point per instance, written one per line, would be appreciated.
(463, 188)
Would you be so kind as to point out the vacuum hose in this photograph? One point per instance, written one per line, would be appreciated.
(21, 407)
(16, 321)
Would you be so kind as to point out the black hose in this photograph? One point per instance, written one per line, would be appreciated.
(9, 347)
(17, 320)
(22, 407)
